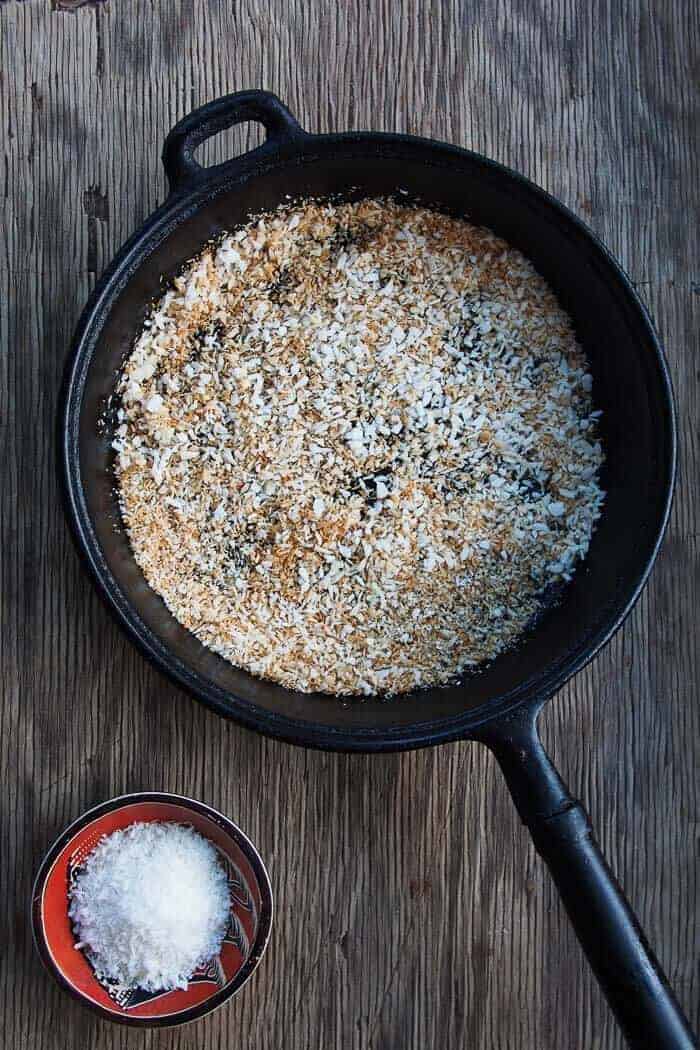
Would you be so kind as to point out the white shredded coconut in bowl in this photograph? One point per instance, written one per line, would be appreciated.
(356, 447)
(151, 905)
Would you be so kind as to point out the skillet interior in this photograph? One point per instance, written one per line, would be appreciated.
(630, 386)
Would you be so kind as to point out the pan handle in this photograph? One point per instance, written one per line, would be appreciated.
(605, 925)
(199, 125)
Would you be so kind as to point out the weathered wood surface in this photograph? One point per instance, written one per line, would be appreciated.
(411, 909)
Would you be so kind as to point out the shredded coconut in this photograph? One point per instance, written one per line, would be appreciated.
(356, 447)
(150, 906)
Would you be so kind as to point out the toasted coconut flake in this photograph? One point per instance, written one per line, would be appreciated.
(356, 446)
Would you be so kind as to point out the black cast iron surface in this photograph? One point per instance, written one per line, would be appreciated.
(631, 387)
(498, 706)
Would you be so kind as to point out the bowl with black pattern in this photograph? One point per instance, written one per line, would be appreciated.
(246, 936)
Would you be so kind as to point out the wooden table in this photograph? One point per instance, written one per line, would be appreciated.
(412, 911)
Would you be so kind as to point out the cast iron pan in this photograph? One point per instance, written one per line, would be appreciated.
(500, 706)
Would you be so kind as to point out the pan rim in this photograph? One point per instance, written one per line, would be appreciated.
(176, 210)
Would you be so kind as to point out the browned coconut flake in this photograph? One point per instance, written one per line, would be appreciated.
(356, 444)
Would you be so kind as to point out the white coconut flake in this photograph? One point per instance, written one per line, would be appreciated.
(150, 905)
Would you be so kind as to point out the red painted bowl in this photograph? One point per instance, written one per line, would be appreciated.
(244, 943)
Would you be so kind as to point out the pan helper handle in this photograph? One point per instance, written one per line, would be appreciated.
(281, 129)
(610, 935)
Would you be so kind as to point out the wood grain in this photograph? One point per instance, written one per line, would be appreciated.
(411, 909)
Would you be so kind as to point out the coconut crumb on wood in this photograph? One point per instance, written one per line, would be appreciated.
(356, 446)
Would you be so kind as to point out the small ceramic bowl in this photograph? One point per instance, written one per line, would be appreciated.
(246, 937)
